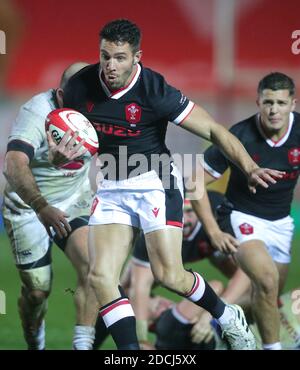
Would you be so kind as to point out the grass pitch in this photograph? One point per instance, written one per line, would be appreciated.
(61, 316)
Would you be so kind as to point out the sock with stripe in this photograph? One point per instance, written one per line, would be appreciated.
(119, 319)
(101, 332)
(204, 296)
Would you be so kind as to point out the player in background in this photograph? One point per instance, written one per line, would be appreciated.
(179, 332)
(43, 203)
(261, 221)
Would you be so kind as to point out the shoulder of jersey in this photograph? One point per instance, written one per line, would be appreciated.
(297, 118)
(153, 81)
(245, 127)
(41, 102)
(84, 74)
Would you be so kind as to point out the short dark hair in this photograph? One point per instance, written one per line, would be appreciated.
(277, 81)
(122, 30)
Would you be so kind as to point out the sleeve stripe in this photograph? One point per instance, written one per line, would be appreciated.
(182, 116)
(21, 146)
(211, 171)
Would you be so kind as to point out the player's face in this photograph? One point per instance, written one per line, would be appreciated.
(118, 63)
(190, 220)
(275, 108)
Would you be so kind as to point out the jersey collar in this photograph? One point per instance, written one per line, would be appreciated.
(283, 139)
(119, 93)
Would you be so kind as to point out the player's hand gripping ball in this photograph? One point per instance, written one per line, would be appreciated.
(59, 121)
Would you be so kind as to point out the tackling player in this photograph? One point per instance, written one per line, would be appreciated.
(39, 198)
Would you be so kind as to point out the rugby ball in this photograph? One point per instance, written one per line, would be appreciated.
(60, 120)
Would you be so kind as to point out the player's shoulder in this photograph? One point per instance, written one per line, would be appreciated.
(151, 76)
(245, 128)
(85, 75)
(153, 82)
(297, 119)
(41, 103)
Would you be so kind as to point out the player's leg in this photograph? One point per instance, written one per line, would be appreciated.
(76, 249)
(263, 242)
(32, 253)
(32, 304)
(257, 263)
(283, 269)
(109, 246)
(164, 250)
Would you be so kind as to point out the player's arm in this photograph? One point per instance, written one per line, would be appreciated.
(22, 181)
(220, 240)
(202, 124)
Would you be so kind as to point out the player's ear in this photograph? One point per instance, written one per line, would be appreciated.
(257, 101)
(137, 57)
(60, 97)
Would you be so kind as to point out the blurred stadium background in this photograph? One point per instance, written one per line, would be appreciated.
(215, 51)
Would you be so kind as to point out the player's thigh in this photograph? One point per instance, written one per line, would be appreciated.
(164, 249)
(28, 237)
(109, 246)
(31, 250)
(77, 249)
(255, 260)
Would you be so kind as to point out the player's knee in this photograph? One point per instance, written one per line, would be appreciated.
(36, 280)
(82, 273)
(171, 279)
(268, 283)
(100, 279)
(37, 297)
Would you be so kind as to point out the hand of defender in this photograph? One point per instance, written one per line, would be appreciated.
(67, 150)
(54, 217)
(224, 242)
(202, 330)
(263, 177)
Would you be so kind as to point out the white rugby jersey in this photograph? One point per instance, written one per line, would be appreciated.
(29, 136)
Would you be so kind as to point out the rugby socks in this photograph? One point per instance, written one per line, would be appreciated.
(30, 314)
(36, 341)
(272, 346)
(83, 337)
(204, 296)
(119, 318)
(101, 332)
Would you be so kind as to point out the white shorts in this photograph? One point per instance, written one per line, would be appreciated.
(29, 239)
(142, 201)
(277, 235)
